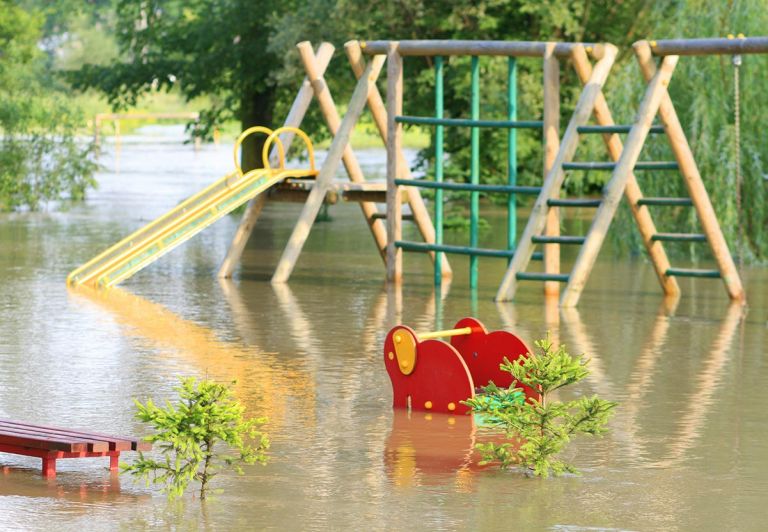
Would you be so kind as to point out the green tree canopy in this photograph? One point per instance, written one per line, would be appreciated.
(40, 157)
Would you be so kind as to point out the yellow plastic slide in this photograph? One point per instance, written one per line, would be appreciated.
(191, 216)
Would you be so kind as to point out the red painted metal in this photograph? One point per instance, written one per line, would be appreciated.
(484, 353)
(446, 374)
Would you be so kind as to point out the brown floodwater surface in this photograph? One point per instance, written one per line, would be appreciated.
(687, 448)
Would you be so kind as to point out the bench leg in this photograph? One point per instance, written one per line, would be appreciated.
(114, 461)
(49, 467)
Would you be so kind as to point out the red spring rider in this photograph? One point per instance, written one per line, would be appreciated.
(436, 376)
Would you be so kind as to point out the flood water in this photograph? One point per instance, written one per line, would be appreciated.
(687, 449)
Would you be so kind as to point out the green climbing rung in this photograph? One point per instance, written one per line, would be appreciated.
(666, 202)
(459, 250)
(617, 128)
(526, 276)
(506, 189)
(686, 272)
(679, 237)
(468, 122)
(383, 216)
(565, 202)
(606, 166)
(544, 239)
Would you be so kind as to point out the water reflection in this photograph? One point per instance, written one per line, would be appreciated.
(261, 378)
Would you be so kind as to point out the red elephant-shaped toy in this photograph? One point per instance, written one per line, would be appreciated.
(436, 376)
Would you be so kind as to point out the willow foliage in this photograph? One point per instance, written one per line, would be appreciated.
(702, 90)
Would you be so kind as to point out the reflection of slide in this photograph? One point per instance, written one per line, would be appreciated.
(263, 380)
(191, 216)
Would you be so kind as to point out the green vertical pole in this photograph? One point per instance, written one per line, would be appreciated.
(474, 172)
(438, 169)
(511, 153)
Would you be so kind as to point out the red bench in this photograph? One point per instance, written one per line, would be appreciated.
(52, 443)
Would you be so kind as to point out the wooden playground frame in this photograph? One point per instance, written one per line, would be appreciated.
(543, 226)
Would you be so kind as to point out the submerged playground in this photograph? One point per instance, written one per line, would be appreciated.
(324, 333)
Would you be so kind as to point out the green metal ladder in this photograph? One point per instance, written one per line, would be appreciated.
(511, 189)
(655, 102)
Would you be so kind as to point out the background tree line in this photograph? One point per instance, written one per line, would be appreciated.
(241, 55)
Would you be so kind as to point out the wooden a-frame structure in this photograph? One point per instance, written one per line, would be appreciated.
(656, 102)
(366, 193)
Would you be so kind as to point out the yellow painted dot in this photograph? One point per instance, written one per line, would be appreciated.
(391, 355)
(740, 36)
(398, 339)
(428, 417)
(730, 35)
(362, 44)
(428, 405)
(653, 43)
(451, 420)
(404, 363)
(451, 406)
(589, 49)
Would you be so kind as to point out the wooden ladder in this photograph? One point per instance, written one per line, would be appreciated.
(656, 101)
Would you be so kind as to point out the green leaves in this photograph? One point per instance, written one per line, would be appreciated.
(40, 157)
(203, 433)
(540, 430)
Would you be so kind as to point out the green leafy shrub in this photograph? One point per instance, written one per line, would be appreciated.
(540, 429)
(204, 433)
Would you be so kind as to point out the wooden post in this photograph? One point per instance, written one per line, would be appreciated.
(632, 192)
(378, 111)
(330, 165)
(615, 187)
(394, 164)
(551, 135)
(331, 115)
(252, 212)
(554, 179)
(693, 181)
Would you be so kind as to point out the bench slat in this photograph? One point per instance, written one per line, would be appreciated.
(47, 436)
(40, 442)
(116, 443)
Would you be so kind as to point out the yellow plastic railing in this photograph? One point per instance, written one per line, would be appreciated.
(98, 270)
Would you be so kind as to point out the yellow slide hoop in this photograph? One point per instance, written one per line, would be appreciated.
(250, 131)
(276, 135)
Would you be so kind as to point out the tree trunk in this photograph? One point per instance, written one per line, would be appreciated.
(256, 109)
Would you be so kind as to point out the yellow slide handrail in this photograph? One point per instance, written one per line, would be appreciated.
(275, 135)
(265, 155)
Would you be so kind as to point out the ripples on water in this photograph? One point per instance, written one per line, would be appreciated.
(687, 448)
